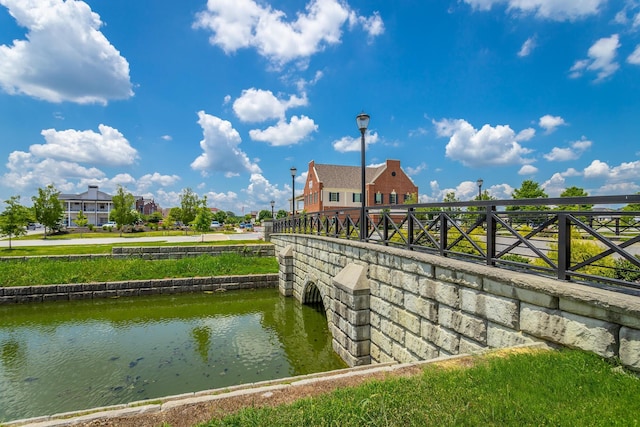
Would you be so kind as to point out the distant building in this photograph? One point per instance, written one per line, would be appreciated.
(338, 187)
(96, 205)
(146, 207)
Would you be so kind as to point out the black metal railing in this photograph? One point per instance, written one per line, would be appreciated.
(593, 240)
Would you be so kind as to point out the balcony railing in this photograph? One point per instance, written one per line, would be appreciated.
(590, 240)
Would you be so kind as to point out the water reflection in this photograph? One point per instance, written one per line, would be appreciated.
(57, 357)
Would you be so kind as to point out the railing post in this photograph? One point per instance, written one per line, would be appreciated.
(385, 226)
(564, 245)
(491, 235)
(443, 234)
(617, 226)
(410, 229)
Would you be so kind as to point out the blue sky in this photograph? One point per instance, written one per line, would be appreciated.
(224, 96)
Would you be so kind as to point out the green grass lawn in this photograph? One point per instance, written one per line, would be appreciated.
(21, 251)
(99, 233)
(42, 271)
(554, 388)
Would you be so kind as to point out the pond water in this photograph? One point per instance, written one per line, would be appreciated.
(67, 356)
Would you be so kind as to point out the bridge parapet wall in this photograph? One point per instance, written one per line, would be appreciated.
(423, 306)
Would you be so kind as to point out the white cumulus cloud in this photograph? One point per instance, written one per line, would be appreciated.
(550, 123)
(489, 146)
(557, 10)
(237, 24)
(348, 143)
(108, 147)
(572, 152)
(256, 105)
(528, 170)
(602, 59)
(64, 56)
(285, 133)
(220, 148)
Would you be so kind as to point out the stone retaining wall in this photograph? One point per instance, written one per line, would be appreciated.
(161, 252)
(80, 291)
(420, 306)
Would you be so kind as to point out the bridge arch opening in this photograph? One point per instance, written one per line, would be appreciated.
(313, 298)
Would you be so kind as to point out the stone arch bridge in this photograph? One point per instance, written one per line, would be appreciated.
(387, 304)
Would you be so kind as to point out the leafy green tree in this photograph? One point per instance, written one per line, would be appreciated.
(48, 209)
(631, 220)
(220, 216)
(575, 192)
(155, 217)
(281, 214)
(264, 214)
(189, 203)
(528, 190)
(175, 215)
(81, 220)
(204, 216)
(14, 219)
(123, 204)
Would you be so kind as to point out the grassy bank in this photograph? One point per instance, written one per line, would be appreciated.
(40, 271)
(564, 388)
(21, 251)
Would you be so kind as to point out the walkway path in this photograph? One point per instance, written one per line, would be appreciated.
(194, 238)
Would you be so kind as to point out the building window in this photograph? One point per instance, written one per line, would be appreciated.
(393, 199)
(315, 197)
(379, 198)
(407, 197)
(334, 197)
(357, 197)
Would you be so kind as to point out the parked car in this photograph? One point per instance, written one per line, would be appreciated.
(110, 224)
(215, 224)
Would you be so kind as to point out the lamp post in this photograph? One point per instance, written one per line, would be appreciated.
(363, 122)
(273, 203)
(293, 190)
(480, 181)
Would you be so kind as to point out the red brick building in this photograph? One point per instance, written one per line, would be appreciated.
(331, 187)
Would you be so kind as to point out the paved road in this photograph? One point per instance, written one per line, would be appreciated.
(195, 238)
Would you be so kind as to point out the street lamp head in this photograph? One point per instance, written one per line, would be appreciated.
(480, 181)
(273, 203)
(363, 121)
(293, 171)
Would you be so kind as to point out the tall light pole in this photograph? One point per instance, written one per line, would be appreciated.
(273, 203)
(363, 122)
(480, 181)
(293, 190)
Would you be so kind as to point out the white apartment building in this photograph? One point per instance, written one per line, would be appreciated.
(94, 204)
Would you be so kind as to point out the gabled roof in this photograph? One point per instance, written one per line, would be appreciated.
(101, 196)
(336, 176)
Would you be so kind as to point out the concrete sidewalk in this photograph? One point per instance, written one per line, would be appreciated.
(190, 238)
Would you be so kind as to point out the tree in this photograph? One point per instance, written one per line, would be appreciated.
(123, 202)
(281, 214)
(220, 216)
(204, 216)
(574, 192)
(155, 217)
(47, 208)
(175, 213)
(81, 220)
(264, 214)
(528, 190)
(189, 205)
(14, 219)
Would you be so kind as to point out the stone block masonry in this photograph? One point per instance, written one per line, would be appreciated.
(69, 292)
(412, 306)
